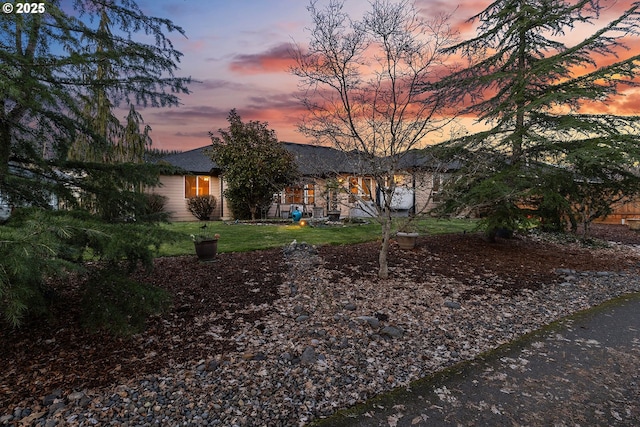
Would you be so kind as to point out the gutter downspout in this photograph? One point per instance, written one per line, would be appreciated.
(221, 197)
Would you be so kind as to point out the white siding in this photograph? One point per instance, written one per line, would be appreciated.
(172, 187)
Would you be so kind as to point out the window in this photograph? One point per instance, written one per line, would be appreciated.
(360, 188)
(196, 186)
(310, 194)
(300, 195)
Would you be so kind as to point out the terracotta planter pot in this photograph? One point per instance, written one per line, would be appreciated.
(206, 250)
(406, 240)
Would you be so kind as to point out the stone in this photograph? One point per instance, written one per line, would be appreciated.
(57, 406)
(76, 395)
(452, 304)
(350, 306)
(51, 398)
(259, 356)
(286, 356)
(371, 320)
(308, 356)
(392, 331)
(293, 290)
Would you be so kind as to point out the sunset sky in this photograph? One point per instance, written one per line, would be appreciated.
(237, 51)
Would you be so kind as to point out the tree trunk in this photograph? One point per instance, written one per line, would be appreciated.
(5, 151)
(383, 271)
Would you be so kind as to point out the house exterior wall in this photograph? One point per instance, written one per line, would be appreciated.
(346, 203)
(281, 209)
(427, 185)
(172, 187)
(418, 190)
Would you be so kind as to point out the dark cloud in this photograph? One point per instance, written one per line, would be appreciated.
(275, 60)
(282, 101)
(186, 114)
(215, 84)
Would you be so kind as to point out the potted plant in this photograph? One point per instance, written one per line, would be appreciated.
(206, 246)
(407, 236)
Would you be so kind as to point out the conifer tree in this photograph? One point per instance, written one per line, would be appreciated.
(548, 132)
(62, 77)
(63, 73)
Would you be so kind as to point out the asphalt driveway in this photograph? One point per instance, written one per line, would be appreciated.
(581, 371)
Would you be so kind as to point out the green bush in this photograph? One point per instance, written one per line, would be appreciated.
(37, 245)
(155, 206)
(202, 207)
(115, 303)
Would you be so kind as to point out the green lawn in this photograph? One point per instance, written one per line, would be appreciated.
(246, 237)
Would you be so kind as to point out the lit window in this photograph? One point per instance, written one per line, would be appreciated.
(360, 188)
(310, 193)
(300, 194)
(196, 186)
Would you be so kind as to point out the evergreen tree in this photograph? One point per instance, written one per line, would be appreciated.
(254, 165)
(106, 139)
(534, 92)
(61, 78)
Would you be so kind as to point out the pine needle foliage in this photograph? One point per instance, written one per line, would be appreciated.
(64, 73)
(545, 105)
(37, 245)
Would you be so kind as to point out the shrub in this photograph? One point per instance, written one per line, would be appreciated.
(202, 207)
(155, 203)
(37, 245)
(115, 303)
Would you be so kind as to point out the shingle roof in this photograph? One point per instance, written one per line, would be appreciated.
(320, 160)
(312, 160)
(424, 159)
(196, 161)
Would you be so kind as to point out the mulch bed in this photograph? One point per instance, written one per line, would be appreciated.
(56, 353)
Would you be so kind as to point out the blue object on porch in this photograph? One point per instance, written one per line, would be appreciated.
(296, 215)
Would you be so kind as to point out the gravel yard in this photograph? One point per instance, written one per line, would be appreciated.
(283, 337)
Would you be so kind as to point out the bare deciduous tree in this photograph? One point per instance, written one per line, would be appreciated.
(366, 90)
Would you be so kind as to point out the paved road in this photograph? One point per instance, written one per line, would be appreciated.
(583, 371)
